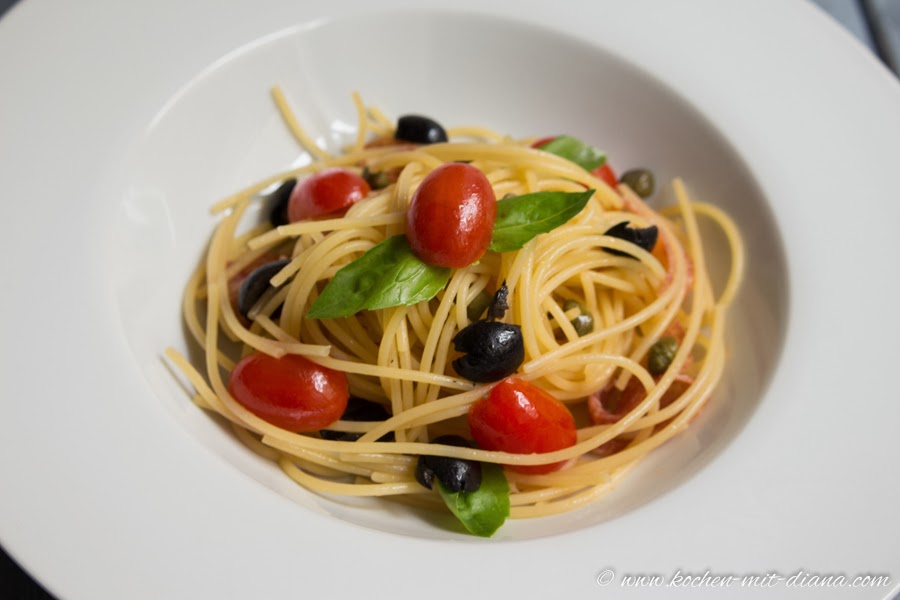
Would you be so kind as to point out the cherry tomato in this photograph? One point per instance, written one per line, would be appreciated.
(290, 392)
(544, 140)
(324, 192)
(451, 216)
(603, 172)
(610, 404)
(519, 417)
(606, 173)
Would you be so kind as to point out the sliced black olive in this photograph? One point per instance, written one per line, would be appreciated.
(499, 304)
(257, 283)
(644, 237)
(359, 410)
(419, 130)
(493, 350)
(584, 321)
(640, 180)
(456, 474)
(661, 354)
(278, 203)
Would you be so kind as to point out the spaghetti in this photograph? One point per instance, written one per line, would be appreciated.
(401, 357)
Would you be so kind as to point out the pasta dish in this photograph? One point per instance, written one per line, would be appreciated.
(457, 319)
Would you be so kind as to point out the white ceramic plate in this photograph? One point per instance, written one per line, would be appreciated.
(121, 125)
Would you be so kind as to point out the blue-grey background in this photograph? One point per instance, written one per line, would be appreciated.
(876, 23)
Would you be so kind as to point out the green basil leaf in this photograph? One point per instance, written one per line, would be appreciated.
(521, 218)
(483, 511)
(584, 155)
(389, 274)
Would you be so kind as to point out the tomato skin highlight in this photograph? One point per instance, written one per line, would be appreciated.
(290, 392)
(451, 216)
(327, 191)
(519, 417)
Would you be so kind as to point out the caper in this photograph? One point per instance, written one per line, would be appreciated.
(478, 305)
(456, 474)
(583, 322)
(359, 410)
(661, 354)
(644, 237)
(640, 180)
(377, 180)
(257, 283)
(278, 203)
(419, 130)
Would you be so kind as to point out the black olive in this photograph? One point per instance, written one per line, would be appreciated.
(457, 474)
(493, 350)
(278, 203)
(419, 130)
(639, 180)
(643, 237)
(257, 283)
(499, 303)
(359, 410)
(583, 322)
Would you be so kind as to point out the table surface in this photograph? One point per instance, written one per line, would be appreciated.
(876, 23)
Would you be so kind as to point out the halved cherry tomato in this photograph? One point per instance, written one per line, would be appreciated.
(290, 392)
(606, 173)
(610, 404)
(519, 417)
(327, 191)
(451, 216)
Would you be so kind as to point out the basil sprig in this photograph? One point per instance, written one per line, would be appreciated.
(389, 274)
(483, 511)
(521, 218)
(580, 153)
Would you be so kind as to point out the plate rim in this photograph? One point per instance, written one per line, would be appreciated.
(25, 553)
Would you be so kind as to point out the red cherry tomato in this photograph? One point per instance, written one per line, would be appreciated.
(519, 417)
(451, 216)
(610, 404)
(544, 140)
(606, 173)
(290, 392)
(603, 172)
(324, 192)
